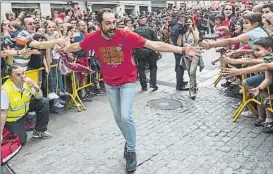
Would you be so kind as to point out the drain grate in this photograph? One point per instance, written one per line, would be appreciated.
(165, 104)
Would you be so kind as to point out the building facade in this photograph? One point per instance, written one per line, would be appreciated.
(48, 7)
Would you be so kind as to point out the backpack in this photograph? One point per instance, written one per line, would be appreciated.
(10, 146)
(67, 67)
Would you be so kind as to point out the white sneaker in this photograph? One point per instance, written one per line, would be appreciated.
(59, 105)
(52, 96)
(61, 93)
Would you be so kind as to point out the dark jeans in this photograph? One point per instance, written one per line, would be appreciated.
(41, 107)
(179, 71)
(143, 58)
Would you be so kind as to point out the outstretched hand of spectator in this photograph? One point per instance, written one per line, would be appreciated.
(205, 45)
(193, 51)
(254, 91)
(231, 71)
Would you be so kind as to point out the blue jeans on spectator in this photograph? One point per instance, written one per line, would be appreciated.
(121, 100)
(254, 81)
(53, 77)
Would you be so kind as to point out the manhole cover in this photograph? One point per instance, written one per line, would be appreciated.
(165, 104)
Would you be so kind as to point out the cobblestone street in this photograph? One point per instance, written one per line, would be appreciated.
(198, 138)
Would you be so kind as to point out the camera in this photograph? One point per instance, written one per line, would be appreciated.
(182, 28)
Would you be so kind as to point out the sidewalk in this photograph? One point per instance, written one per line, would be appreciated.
(198, 138)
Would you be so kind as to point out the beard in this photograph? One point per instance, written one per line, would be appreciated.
(109, 33)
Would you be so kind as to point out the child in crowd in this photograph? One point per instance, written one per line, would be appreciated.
(257, 84)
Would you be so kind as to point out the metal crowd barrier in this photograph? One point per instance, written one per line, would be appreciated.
(75, 87)
(247, 100)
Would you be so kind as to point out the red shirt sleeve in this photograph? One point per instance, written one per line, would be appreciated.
(134, 40)
(86, 43)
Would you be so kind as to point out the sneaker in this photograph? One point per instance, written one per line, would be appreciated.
(86, 99)
(144, 88)
(61, 93)
(43, 135)
(193, 93)
(59, 105)
(154, 87)
(225, 85)
(62, 102)
(99, 92)
(131, 162)
(268, 127)
(259, 122)
(52, 96)
(29, 126)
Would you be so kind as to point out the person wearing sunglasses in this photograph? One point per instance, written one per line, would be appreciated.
(24, 40)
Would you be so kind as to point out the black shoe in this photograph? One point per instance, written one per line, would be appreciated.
(259, 122)
(86, 98)
(154, 87)
(183, 88)
(268, 127)
(193, 92)
(131, 162)
(144, 89)
(184, 83)
(225, 85)
(62, 102)
(54, 110)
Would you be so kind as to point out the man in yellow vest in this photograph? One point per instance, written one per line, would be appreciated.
(17, 100)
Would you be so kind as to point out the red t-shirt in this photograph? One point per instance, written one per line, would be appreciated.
(226, 22)
(115, 55)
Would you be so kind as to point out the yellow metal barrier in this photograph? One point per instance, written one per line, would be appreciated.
(246, 102)
(76, 86)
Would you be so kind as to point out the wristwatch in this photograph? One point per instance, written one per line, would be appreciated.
(36, 89)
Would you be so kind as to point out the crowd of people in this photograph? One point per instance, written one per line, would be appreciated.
(31, 42)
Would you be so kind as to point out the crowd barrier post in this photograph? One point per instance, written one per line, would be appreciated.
(219, 78)
(246, 102)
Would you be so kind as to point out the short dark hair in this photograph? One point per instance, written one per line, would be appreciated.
(270, 6)
(38, 36)
(11, 68)
(253, 17)
(220, 17)
(265, 42)
(99, 17)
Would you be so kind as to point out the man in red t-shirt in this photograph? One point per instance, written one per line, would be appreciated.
(114, 48)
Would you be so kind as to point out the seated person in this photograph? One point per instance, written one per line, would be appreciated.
(16, 101)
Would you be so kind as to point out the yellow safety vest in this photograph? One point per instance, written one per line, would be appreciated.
(18, 100)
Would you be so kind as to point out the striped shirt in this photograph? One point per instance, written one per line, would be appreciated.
(24, 38)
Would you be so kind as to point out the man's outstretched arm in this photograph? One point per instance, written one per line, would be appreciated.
(163, 47)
